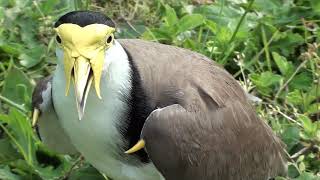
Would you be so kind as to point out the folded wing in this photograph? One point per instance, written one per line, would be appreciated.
(48, 127)
(228, 143)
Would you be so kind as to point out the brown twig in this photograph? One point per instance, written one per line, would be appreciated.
(303, 150)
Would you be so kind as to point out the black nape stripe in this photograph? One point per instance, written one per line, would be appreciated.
(139, 110)
(84, 18)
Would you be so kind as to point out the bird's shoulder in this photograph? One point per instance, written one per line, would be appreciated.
(39, 97)
(171, 75)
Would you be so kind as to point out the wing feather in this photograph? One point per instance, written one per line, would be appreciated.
(48, 127)
(213, 145)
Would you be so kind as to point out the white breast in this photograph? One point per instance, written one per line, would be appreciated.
(96, 136)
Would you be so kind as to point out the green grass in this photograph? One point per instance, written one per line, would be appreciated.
(272, 47)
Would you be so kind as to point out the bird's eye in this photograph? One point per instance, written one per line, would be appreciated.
(109, 40)
(58, 39)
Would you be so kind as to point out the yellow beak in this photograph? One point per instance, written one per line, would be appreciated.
(84, 54)
(82, 76)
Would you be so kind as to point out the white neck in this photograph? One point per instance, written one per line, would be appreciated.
(116, 62)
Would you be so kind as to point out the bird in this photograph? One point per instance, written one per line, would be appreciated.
(137, 109)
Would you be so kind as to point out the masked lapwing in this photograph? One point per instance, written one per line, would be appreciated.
(142, 110)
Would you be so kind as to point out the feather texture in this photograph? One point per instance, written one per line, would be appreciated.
(201, 125)
(205, 127)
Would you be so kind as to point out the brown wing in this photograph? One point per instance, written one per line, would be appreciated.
(170, 74)
(206, 129)
(230, 143)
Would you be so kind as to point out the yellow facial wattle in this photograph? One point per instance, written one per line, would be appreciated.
(84, 52)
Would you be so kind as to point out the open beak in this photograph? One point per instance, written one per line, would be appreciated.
(83, 72)
(82, 78)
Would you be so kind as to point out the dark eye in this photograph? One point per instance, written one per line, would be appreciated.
(58, 39)
(109, 39)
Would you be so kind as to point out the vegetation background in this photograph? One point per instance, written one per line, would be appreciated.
(270, 46)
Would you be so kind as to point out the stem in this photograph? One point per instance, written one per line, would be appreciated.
(240, 22)
(87, 4)
(75, 3)
(256, 57)
(318, 86)
(224, 60)
(222, 6)
(73, 167)
(288, 117)
(203, 44)
(15, 142)
(300, 152)
(237, 29)
(291, 77)
(266, 48)
(200, 34)
(11, 103)
(38, 8)
(154, 38)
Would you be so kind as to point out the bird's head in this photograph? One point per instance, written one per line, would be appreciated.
(84, 37)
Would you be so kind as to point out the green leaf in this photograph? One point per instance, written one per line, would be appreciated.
(315, 4)
(228, 16)
(302, 166)
(6, 174)
(49, 5)
(211, 25)
(190, 44)
(13, 49)
(265, 82)
(32, 57)
(131, 31)
(170, 16)
(302, 81)
(285, 67)
(17, 86)
(7, 152)
(291, 137)
(307, 176)
(286, 43)
(188, 22)
(295, 97)
(280, 178)
(158, 35)
(20, 132)
(309, 128)
(313, 108)
(292, 171)
(223, 36)
(37, 159)
(312, 94)
(86, 172)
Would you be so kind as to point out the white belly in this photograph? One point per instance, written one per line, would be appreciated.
(96, 136)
